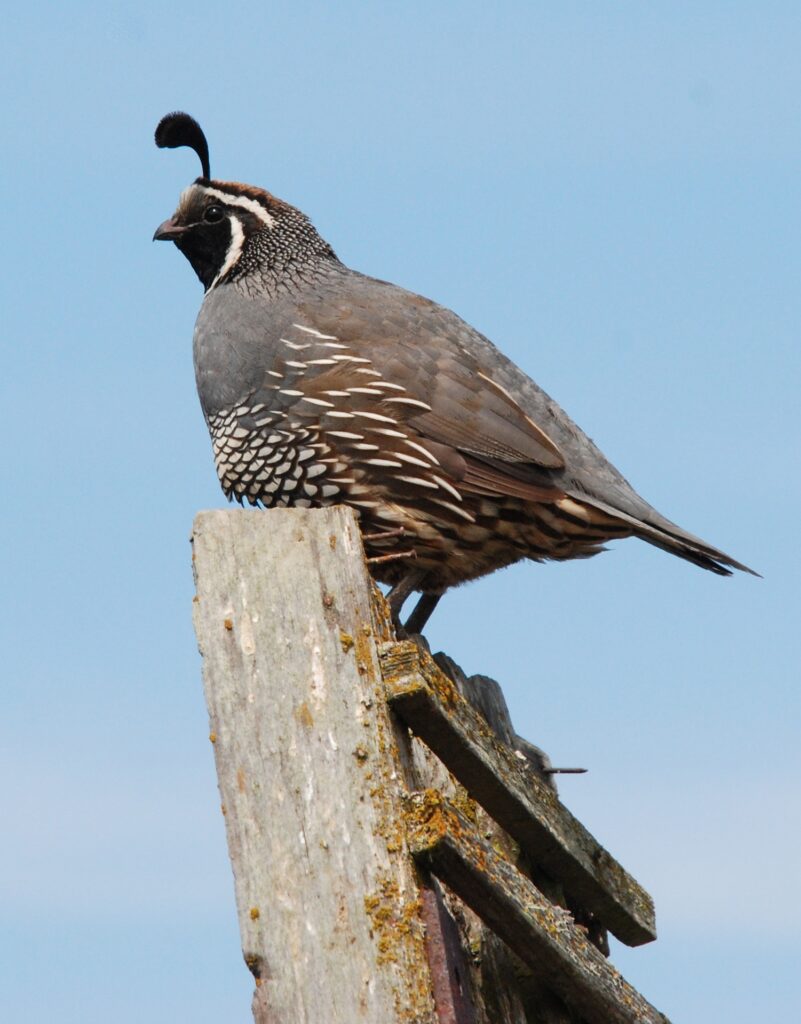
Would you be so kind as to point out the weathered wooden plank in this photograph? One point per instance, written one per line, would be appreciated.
(483, 693)
(521, 802)
(486, 696)
(544, 936)
(326, 893)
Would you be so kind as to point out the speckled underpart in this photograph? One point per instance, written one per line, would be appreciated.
(272, 467)
(321, 386)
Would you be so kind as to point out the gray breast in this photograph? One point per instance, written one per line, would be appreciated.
(254, 388)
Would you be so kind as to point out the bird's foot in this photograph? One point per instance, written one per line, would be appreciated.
(393, 556)
(397, 531)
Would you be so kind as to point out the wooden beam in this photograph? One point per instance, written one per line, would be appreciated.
(522, 804)
(327, 894)
(543, 935)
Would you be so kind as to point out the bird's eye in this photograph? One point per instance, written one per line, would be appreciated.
(212, 214)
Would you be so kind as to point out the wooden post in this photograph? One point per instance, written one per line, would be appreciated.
(327, 896)
(399, 854)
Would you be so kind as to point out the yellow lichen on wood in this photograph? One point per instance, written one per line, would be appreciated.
(393, 919)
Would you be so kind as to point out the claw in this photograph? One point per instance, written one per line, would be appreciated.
(398, 531)
(393, 557)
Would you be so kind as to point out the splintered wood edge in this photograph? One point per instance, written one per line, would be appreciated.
(543, 935)
(523, 805)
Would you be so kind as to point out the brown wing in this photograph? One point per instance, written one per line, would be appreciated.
(472, 412)
(503, 450)
(480, 435)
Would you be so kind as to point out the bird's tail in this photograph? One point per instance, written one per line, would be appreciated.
(664, 534)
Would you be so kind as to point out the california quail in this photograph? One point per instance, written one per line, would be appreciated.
(322, 386)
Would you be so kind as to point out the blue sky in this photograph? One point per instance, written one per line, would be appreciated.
(611, 192)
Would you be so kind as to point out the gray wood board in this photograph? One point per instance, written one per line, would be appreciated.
(521, 802)
(327, 894)
(544, 936)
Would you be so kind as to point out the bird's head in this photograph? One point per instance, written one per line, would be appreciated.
(227, 229)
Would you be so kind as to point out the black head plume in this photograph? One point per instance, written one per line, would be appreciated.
(179, 129)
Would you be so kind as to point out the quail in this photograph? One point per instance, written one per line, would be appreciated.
(321, 385)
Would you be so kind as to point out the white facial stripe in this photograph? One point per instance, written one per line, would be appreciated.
(234, 249)
(251, 205)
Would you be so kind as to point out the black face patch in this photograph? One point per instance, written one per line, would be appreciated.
(217, 229)
(228, 231)
(205, 245)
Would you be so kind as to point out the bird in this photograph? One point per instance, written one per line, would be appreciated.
(321, 386)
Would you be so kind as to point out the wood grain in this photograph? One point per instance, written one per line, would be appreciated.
(326, 892)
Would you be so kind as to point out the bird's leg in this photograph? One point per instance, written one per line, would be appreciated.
(422, 613)
(402, 589)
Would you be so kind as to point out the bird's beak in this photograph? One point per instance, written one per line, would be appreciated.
(169, 231)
